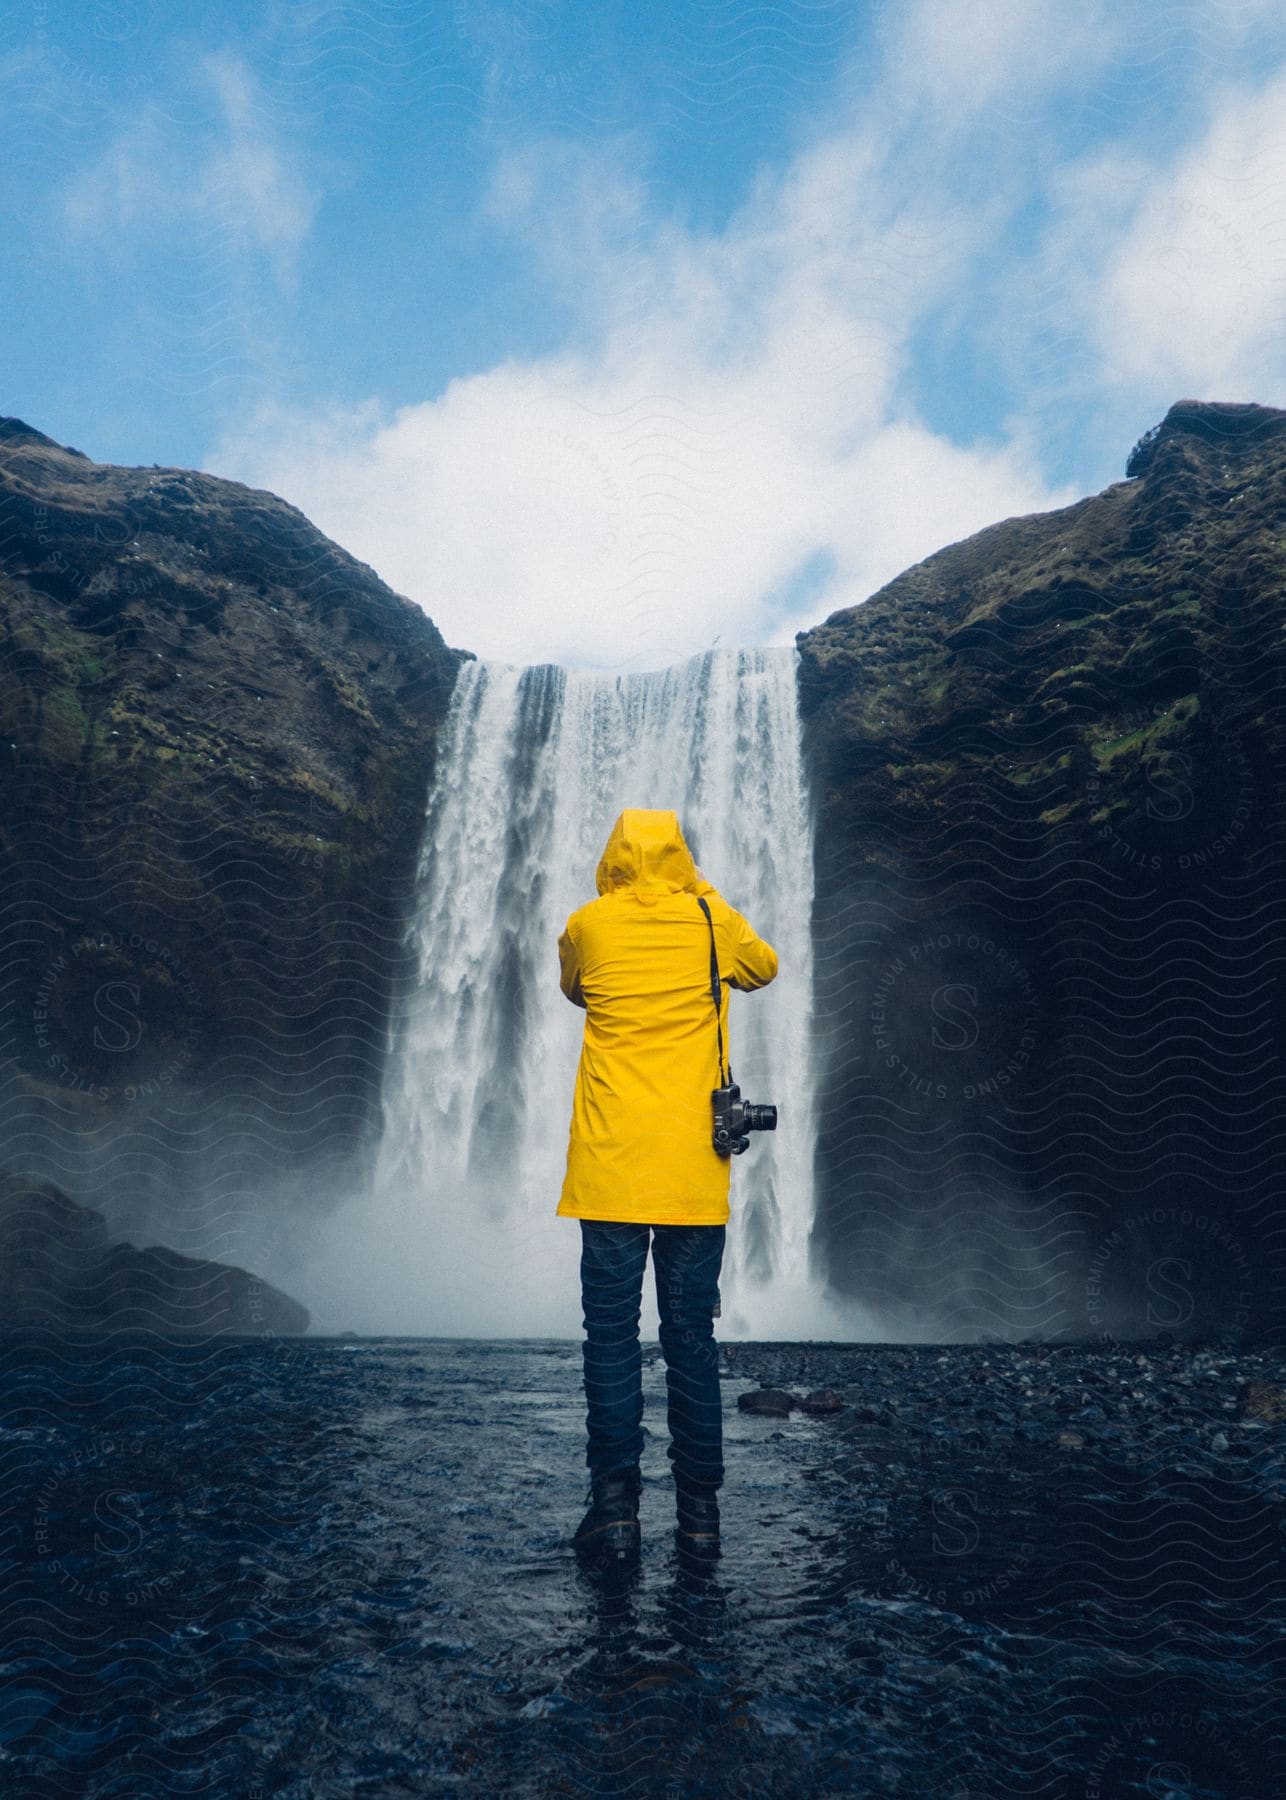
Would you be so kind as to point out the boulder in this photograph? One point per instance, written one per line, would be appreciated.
(1264, 1401)
(773, 1403)
(822, 1401)
(60, 1271)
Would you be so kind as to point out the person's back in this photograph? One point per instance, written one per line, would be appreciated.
(641, 1157)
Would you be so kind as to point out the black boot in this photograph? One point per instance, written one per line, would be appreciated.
(609, 1532)
(697, 1532)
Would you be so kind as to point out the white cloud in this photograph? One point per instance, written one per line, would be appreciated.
(732, 407)
(1191, 298)
(727, 417)
(965, 57)
(234, 181)
(128, 182)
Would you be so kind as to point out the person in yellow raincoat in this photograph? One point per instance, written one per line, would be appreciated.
(641, 1162)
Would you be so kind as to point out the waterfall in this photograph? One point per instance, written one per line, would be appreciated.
(534, 766)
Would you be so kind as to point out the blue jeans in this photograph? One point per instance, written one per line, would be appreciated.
(687, 1260)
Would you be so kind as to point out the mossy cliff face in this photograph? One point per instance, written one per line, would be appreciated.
(1047, 768)
(1046, 765)
(217, 733)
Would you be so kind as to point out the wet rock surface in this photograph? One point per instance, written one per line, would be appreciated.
(330, 1589)
(822, 1402)
(772, 1402)
(996, 1404)
(1264, 1401)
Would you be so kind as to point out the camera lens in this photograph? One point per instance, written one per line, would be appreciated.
(760, 1118)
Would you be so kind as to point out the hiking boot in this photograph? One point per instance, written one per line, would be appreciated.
(609, 1532)
(697, 1532)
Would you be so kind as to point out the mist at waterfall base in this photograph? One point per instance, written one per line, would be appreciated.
(458, 1235)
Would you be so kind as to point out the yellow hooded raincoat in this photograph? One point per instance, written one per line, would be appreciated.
(638, 960)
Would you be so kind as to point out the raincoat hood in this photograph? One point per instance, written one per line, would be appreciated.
(647, 854)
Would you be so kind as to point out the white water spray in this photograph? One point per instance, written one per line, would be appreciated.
(460, 1236)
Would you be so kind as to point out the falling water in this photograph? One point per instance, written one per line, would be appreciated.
(534, 766)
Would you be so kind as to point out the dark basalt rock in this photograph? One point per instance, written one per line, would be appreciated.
(773, 1403)
(59, 1271)
(1048, 768)
(217, 734)
(1217, 421)
(1262, 1400)
(822, 1401)
(1047, 771)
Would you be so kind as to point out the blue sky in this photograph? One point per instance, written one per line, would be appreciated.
(605, 332)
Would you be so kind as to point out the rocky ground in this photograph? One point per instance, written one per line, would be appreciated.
(1220, 1407)
(1005, 1570)
(1016, 1482)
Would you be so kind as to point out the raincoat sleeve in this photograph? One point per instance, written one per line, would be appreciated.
(754, 961)
(569, 968)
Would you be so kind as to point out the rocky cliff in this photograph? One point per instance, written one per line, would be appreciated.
(217, 732)
(60, 1271)
(1047, 764)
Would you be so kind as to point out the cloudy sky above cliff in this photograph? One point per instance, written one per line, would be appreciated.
(606, 333)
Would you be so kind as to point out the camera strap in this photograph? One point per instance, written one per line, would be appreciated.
(715, 988)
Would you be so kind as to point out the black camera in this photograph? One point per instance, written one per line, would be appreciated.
(735, 1119)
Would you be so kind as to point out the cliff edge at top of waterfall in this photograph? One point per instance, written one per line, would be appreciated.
(195, 645)
(219, 732)
(1050, 628)
(113, 544)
